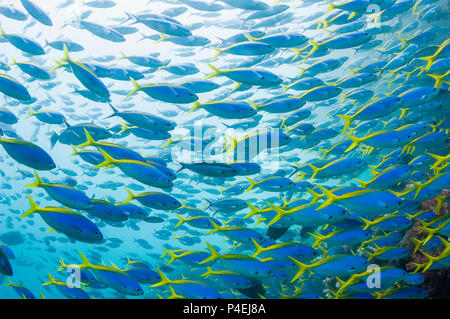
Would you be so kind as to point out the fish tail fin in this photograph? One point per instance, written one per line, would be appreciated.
(130, 16)
(429, 60)
(209, 204)
(404, 41)
(416, 5)
(115, 111)
(348, 121)
(89, 140)
(367, 223)
(331, 83)
(376, 17)
(84, 260)
(32, 112)
(253, 210)
(214, 254)
(66, 57)
(162, 37)
(182, 220)
(173, 257)
(169, 142)
(352, 71)
(260, 220)
(183, 166)
(258, 248)
(131, 196)
(164, 280)
(208, 272)
(38, 182)
(297, 52)
(439, 160)
(323, 23)
(370, 254)
(137, 87)
(75, 151)
(435, 126)
(250, 38)
(302, 268)
(54, 139)
(285, 87)
(422, 69)
(439, 78)
(122, 56)
(218, 52)
(174, 294)
(418, 186)
(318, 239)
(315, 170)
(236, 87)
(417, 244)
(9, 284)
(445, 242)
(197, 104)
(362, 183)
(356, 141)
(252, 184)
(283, 120)
(107, 162)
(13, 61)
(404, 111)
(316, 196)
(229, 147)
(33, 207)
(124, 128)
(315, 47)
(216, 228)
(332, 6)
(216, 71)
(62, 265)
(280, 214)
(324, 152)
(431, 260)
(51, 280)
(351, 15)
(58, 66)
(331, 198)
(255, 106)
(129, 261)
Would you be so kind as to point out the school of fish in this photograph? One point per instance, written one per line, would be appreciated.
(224, 149)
